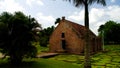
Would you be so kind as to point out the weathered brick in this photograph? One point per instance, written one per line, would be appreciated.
(74, 36)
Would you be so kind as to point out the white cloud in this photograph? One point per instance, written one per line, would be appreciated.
(95, 14)
(40, 2)
(78, 16)
(46, 21)
(98, 16)
(10, 6)
(31, 2)
(114, 12)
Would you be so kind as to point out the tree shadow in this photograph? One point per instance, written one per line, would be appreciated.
(24, 64)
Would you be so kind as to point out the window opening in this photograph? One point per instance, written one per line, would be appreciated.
(63, 35)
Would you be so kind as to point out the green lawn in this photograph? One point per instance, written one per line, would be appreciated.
(108, 59)
(39, 63)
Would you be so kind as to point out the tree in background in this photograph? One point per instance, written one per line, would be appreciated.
(45, 35)
(86, 4)
(111, 32)
(17, 31)
(57, 21)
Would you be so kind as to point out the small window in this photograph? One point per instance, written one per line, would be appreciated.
(63, 35)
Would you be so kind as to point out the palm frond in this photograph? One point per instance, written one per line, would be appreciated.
(79, 3)
(103, 2)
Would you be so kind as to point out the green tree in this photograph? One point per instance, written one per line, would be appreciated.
(57, 20)
(16, 36)
(45, 35)
(86, 4)
(111, 32)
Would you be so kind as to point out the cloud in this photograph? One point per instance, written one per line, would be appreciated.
(10, 6)
(31, 2)
(114, 12)
(46, 21)
(78, 16)
(98, 16)
(40, 2)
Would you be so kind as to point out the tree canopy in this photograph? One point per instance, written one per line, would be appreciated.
(111, 31)
(17, 31)
(45, 35)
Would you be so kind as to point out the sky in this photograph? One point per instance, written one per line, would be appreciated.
(47, 11)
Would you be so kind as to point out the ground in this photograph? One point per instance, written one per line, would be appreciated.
(105, 59)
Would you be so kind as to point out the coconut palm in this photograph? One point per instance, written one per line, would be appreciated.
(86, 4)
(17, 32)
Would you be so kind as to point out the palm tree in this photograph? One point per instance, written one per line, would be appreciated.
(16, 36)
(86, 4)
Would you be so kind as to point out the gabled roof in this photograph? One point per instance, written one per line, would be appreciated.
(79, 29)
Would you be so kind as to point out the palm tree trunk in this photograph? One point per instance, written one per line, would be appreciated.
(87, 63)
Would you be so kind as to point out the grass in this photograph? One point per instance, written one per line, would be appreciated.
(108, 59)
(40, 49)
(39, 63)
(74, 59)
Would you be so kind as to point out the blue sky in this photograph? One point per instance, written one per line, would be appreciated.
(46, 11)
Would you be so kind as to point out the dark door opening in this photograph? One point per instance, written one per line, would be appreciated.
(63, 44)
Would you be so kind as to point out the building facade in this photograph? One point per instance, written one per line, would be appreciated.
(69, 37)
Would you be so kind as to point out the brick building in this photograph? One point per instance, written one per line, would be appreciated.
(70, 37)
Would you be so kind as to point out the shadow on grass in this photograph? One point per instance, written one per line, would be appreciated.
(4, 63)
(39, 63)
(25, 64)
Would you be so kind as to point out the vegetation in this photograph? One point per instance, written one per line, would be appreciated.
(111, 32)
(17, 31)
(107, 59)
(86, 4)
(57, 20)
(45, 35)
(38, 63)
(40, 49)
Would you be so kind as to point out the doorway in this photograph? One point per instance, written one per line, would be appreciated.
(64, 44)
